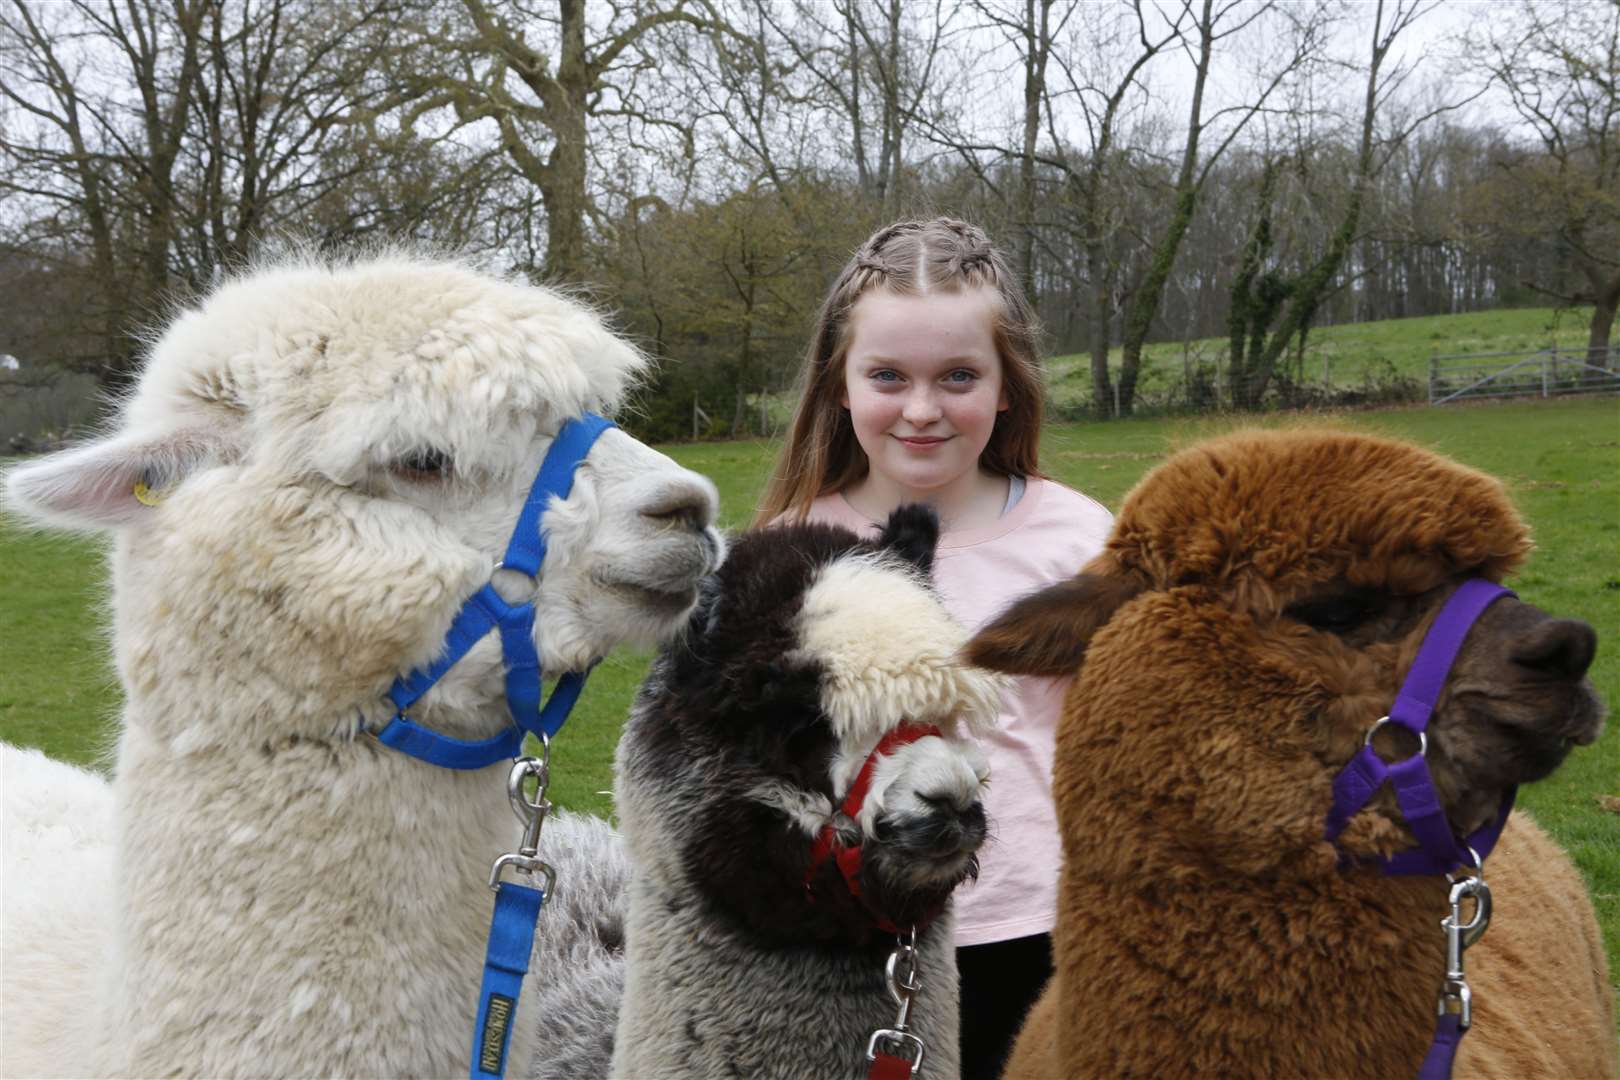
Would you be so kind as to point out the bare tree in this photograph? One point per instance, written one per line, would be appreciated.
(99, 100)
(148, 143)
(1212, 26)
(542, 74)
(1119, 52)
(1060, 174)
(1031, 28)
(876, 69)
(286, 115)
(1261, 297)
(1560, 66)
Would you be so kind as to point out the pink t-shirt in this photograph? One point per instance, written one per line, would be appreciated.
(1044, 538)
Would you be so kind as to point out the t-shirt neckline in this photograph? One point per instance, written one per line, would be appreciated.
(952, 539)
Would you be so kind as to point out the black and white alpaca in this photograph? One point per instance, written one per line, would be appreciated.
(807, 648)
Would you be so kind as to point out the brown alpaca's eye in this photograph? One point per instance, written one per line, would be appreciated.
(422, 465)
(1340, 612)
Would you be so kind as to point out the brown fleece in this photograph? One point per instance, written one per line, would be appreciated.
(1204, 923)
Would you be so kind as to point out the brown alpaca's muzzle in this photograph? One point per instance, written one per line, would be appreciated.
(1519, 701)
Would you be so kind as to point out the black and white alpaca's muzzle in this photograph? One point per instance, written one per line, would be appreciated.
(909, 827)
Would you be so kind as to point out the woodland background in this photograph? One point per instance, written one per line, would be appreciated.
(1159, 171)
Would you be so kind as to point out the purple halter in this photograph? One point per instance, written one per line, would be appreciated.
(1439, 851)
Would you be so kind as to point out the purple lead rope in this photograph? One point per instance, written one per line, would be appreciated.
(1439, 851)
(1448, 1033)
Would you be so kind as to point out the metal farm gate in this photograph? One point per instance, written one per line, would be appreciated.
(1540, 374)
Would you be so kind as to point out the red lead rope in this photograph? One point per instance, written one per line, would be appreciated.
(849, 858)
(889, 1067)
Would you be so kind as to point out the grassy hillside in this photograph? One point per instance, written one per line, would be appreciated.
(1352, 355)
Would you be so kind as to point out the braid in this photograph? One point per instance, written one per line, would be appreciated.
(880, 239)
(872, 256)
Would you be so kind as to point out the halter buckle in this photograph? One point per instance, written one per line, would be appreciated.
(1456, 998)
(527, 867)
(904, 1039)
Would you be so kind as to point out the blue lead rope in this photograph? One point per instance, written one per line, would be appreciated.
(511, 939)
(517, 907)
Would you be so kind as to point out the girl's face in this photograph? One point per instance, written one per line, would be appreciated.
(923, 384)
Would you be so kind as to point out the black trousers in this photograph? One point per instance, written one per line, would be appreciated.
(1000, 981)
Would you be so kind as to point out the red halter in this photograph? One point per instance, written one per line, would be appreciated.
(849, 858)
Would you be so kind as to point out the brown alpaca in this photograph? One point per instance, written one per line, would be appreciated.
(1258, 605)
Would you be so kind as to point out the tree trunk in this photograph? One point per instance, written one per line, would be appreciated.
(863, 172)
(1309, 288)
(892, 124)
(1244, 316)
(1145, 304)
(564, 187)
(1102, 318)
(1606, 300)
(1035, 51)
(1149, 295)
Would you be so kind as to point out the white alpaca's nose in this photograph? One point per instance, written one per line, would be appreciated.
(687, 503)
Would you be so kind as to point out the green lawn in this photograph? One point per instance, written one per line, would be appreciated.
(1560, 459)
(1348, 356)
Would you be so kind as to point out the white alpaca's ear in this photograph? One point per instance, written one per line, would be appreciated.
(108, 483)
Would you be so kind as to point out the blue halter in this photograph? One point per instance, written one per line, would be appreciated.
(485, 611)
(517, 907)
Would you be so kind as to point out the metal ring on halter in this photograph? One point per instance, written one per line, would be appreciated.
(1423, 740)
(532, 579)
(1467, 874)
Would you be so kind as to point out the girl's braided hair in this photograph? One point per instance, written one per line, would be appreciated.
(913, 258)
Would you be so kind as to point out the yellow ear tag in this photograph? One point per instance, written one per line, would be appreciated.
(145, 495)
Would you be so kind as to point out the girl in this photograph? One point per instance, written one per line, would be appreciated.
(922, 384)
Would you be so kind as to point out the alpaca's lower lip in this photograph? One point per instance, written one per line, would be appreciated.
(669, 599)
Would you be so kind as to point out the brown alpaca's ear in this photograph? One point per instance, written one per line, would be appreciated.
(1046, 633)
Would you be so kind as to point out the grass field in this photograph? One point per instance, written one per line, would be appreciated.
(1560, 459)
(1352, 355)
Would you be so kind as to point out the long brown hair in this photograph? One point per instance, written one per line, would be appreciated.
(911, 258)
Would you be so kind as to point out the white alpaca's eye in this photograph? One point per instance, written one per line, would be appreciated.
(423, 465)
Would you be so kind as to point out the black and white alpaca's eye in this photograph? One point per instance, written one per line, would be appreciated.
(1340, 612)
(424, 464)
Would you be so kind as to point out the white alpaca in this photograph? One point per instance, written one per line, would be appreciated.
(335, 457)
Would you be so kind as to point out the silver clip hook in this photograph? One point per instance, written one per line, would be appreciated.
(531, 812)
(1455, 995)
(901, 972)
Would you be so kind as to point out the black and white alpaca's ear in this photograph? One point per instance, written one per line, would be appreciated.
(912, 532)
